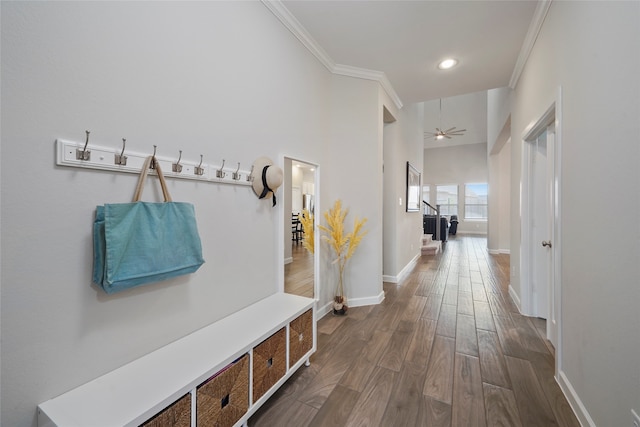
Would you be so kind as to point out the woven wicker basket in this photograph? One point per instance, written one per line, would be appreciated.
(300, 336)
(224, 398)
(178, 414)
(269, 363)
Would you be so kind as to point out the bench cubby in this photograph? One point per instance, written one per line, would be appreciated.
(204, 371)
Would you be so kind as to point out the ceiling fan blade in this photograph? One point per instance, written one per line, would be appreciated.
(447, 136)
(450, 129)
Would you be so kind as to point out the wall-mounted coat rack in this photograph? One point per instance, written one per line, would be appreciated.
(119, 160)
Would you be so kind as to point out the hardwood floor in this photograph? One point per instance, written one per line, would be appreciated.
(447, 347)
(298, 274)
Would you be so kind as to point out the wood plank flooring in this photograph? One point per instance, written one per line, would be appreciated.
(447, 347)
(298, 274)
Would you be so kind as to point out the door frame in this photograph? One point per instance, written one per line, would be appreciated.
(552, 116)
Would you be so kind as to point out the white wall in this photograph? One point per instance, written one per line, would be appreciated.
(457, 165)
(498, 118)
(403, 141)
(199, 77)
(504, 199)
(353, 173)
(591, 50)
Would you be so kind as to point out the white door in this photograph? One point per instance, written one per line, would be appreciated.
(540, 226)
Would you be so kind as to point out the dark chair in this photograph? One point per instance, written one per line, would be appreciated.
(296, 228)
(453, 228)
(429, 226)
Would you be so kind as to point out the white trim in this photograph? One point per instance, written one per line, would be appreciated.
(288, 20)
(295, 27)
(514, 297)
(530, 40)
(499, 251)
(553, 114)
(355, 302)
(574, 400)
(389, 279)
(403, 273)
(288, 260)
(479, 233)
(359, 302)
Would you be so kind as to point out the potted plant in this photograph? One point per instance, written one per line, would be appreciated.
(344, 246)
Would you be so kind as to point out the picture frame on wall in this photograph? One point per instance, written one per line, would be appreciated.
(413, 189)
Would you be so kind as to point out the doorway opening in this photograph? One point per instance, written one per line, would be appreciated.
(540, 260)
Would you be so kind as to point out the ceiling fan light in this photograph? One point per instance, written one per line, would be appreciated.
(439, 136)
(447, 63)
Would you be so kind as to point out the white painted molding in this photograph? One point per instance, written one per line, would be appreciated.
(288, 260)
(351, 302)
(389, 279)
(292, 24)
(515, 298)
(363, 73)
(530, 40)
(403, 273)
(574, 400)
(499, 251)
(477, 233)
(295, 27)
(359, 302)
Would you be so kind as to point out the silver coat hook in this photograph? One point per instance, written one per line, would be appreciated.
(177, 167)
(220, 172)
(199, 170)
(236, 174)
(84, 154)
(121, 159)
(153, 161)
(250, 176)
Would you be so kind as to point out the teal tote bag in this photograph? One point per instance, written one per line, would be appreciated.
(142, 242)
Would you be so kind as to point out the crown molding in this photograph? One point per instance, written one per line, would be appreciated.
(530, 40)
(295, 27)
(292, 24)
(363, 73)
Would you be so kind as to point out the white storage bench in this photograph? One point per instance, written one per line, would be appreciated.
(201, 379)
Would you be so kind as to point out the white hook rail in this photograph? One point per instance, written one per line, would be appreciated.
(102, 158)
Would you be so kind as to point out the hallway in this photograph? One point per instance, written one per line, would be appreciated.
(445, 348)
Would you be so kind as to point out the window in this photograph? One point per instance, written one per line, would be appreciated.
(447, 198)
(475, 201)
(425, 197)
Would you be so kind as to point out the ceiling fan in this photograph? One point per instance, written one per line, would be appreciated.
(448, 133)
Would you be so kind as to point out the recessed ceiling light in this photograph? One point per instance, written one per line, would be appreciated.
(447, 63)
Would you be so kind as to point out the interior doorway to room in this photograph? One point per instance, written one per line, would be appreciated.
(540, 257)
(300, 199)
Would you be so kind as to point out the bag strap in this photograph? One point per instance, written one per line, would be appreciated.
(143, 176)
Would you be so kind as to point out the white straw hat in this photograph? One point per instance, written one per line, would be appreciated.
(267, 177)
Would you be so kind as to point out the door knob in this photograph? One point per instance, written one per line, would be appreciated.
(546, 243)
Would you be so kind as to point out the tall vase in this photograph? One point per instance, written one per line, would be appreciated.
(340, 300)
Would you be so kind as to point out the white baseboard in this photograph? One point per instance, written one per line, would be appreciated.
(479, 233)
(515, 298)
(351, 302)
(499, 251)
(403, 273)
(288, 260)
(574, 401)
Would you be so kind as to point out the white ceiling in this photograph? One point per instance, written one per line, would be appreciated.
(406, 39)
